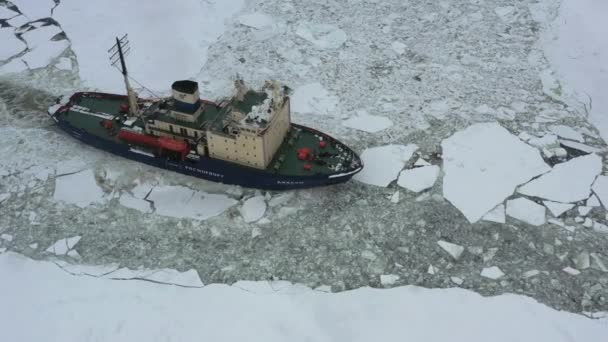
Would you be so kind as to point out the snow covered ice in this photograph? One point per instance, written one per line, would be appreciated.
(106, 307)
(483, 164)
(374, 74)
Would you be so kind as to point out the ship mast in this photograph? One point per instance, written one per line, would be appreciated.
(117, 54)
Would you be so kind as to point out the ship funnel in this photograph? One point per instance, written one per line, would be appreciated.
(186, 96)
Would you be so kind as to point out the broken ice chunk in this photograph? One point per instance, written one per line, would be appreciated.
(457, 280)
(418, 179)
(383, 163)
(598, 262)
(582, 261)
(253, 209)
(74, 254)
(452, 249)
(579, 146)
(527, 211)
(71, 242)
(566, 182)
(547, 141)
(571, 271)
(34, 245)
(422, 162)
(583, 211)
(432, 270)
(496, 215)
(567, 133)
(557, 208)
(483, 164)
(588, 223)
(388, 279)
(492, 272)
(530, 274)
(395, 197)
(60, 247)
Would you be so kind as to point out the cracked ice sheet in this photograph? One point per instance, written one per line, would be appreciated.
(189, 28)
(79, 189)
(11, 45)
(383, 163)
(577, 48)
(567, 182)
(6, 13)
(43, 50)
(34, 10)
(188, 278)
(483, 164)
(179, 201)
(106, 308)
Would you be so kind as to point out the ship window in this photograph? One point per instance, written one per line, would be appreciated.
(183, 131)
(195, 134)
(171, 128)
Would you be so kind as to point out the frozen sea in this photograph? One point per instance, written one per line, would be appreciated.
(472, 87)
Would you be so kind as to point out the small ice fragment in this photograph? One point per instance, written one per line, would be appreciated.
(598, 263)
(452, 249)
(477, 250)
(567, 133)
(583, 211)
(388, 279)
(255, 232)
(492, 272)
(71, 242)
(547, 141)
(395, 197)
(74, 254)
(496, 215)
(582, 261)
(457, 280)
(571, 271)
(432, 270)
(60, 247)
(579, 219)
(34, 245)
(253, 209)
(588, 223)
(418, 179)
(6, 237)
(557, 208)
(263, 221)
(527, 211)
(600, 228)
(422, 162)
(530, 274)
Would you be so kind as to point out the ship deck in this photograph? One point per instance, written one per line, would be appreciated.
(89, 110)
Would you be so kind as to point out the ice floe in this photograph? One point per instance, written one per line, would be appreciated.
(189, 28)
(496, 215)
(104, 305)
(79, 189)
(256, 20)
(322, 36)
(557, 208)
(566, 182)
(11, 45)
(418, 179)
(6, 13)
(383, 163)
(567, 133)
(182, 202)
(454, 250)
(527, 211)
(363, 121)
(253, 209)
(483, 164)
(492, 273)
(312, 98)
(600, 188)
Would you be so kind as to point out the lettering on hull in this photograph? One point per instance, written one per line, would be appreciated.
(204, 172)
(290, 182)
